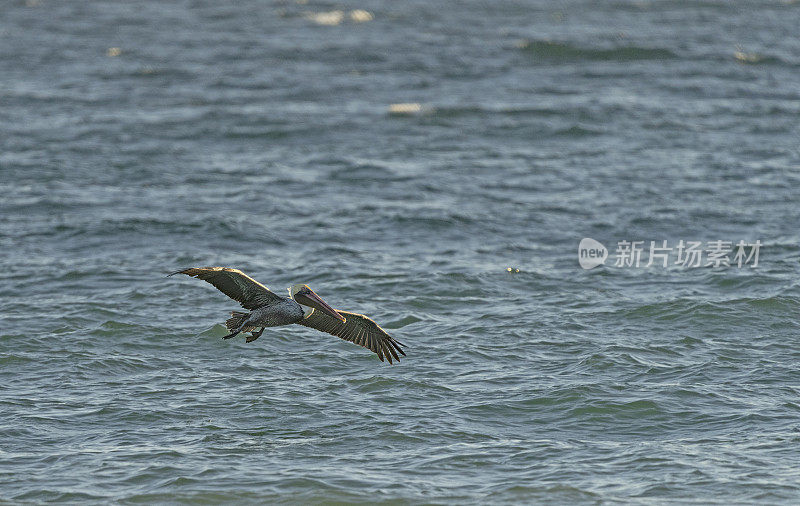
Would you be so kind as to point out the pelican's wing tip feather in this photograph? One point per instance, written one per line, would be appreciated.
(235, 284)
(358, 329)
(195, 271)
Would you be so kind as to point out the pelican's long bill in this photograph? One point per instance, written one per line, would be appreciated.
(307, 297)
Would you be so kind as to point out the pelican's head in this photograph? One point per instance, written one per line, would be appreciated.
(305, 296)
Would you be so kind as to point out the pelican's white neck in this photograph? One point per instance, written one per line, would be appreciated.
(292, 291)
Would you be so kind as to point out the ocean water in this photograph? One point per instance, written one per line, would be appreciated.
(434, 166)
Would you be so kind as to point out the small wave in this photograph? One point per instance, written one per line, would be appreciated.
(402, 322)
(210, 226)
(640, 408)
(446, 220)
(576, 131)
(561, 51)
(686, 308)
(365, 173)
(265, 132)
(746, 58)
(146, 71)
(517, 493)
(510, 110)
(47, 495)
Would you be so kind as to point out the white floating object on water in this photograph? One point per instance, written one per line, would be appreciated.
(331, 18)
(409, 108)
(361, 16)
(746, 57)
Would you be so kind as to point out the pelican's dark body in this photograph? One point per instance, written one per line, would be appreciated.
(284, 312)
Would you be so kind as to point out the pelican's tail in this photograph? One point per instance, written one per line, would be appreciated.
(236, 319)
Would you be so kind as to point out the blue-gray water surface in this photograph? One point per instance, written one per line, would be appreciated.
(433, 165)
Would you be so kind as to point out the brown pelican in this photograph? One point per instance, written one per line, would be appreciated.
(303, 307)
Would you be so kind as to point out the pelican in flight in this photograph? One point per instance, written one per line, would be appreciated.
(303, 307)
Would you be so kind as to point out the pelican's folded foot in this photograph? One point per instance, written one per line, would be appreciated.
(232, 334)
(254, 336)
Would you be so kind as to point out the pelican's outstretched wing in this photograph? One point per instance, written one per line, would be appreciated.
(357, 329)
(235, 284)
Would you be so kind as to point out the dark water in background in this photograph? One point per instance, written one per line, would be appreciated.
(253, 134)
